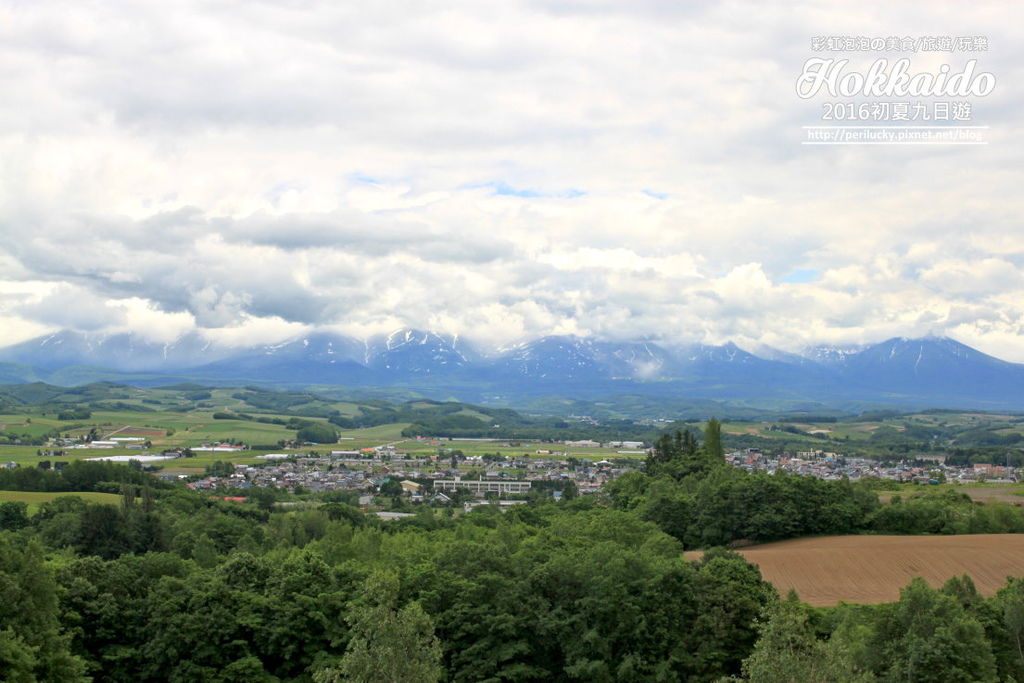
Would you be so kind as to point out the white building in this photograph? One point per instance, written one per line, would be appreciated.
(479, 487)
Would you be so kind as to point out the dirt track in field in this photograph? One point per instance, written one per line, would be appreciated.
(872, 569)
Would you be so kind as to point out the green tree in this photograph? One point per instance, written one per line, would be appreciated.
(388, 645)
(317, 432)
(264, 497)
(391, 487)
(342, 512)
(713, 440)
(204, 552)
(32, 645)
(730, 594)
(1010, 601)
(100, 531)
(13, 515)
(220, 469)
(787, 650)
(929, 636)
(17, 658)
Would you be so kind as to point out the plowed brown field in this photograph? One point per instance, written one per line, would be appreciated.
(872, 569)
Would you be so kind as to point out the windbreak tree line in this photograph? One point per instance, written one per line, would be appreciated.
(77, 475)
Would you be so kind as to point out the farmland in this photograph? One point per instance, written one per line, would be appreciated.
(873, 569)
(687, 489)
(189, 416)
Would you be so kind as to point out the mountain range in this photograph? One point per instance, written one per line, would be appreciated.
(935, 371)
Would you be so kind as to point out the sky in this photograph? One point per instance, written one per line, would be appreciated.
(254, 170)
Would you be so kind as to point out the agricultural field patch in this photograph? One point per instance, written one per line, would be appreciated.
(873, 569)
(386, 431)
(138, 431)
(1002, 494)
(239, 430)
(36, 498)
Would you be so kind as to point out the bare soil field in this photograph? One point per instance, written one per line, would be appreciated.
(872, 569)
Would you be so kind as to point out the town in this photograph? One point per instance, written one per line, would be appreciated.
(434, 479)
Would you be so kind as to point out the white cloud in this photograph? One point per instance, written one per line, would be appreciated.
(500, 171)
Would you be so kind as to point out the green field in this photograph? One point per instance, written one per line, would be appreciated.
(26, 456)
(35, 499)
(390, 432)
(223, 430)
(182, 416)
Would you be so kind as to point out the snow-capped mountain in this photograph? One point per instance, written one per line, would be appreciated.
(633, 360)
(568, 357)
(931, 364)
(125, 351)
(771, 353)
(319, 358)
(831, 355)
(930, 370)
(319, 347)
(417, 352)
(556, 357)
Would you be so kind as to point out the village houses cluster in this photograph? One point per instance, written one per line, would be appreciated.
(437, 477)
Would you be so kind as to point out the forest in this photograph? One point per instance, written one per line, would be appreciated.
(175, 585)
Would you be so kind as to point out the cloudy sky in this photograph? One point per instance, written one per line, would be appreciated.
(254, 170)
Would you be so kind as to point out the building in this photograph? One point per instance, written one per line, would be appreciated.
(481, 487)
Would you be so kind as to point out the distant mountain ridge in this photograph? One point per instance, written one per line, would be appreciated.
(930, 370)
